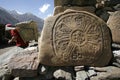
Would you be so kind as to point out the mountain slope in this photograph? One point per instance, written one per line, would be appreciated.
(5, 17)
(28, 17)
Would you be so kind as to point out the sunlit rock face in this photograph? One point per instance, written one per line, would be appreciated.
(114, 24)
(75, 38)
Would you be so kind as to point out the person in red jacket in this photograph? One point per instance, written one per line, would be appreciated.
(16, 37)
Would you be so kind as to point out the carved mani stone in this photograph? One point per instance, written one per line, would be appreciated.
(75, 38)
(114, 24)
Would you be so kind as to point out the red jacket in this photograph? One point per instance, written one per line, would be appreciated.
(19, 40)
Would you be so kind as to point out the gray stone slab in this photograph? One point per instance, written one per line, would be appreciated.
(81, 75)
(62, 74)
(24, 64)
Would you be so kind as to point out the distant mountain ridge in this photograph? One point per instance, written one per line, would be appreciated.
(13, 17)
(6, 17)
(27, 17)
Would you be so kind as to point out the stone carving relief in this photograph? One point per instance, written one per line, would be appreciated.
(76, 38)
(73, 34)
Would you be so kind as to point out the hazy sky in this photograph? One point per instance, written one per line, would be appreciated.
(40, 8)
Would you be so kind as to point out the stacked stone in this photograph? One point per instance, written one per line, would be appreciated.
(113, 21)
(99, 7)
(113, 8)
(79, 5)
(114, 25)
(104, 7)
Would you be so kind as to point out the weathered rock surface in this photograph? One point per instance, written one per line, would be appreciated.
(92, 73)
(4, 72)
(59, 9)
(111, 73)
(98, 73)
(24, 64)
(62, 74)
(81, 75)
(114, 24)
(75, 38)
(4, 60)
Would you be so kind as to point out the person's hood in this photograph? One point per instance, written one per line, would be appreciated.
(9, 27)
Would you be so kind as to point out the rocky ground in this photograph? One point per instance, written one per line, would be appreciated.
(59, 73)
(5, 47)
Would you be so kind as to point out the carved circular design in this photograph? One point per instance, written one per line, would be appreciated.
(77, 37)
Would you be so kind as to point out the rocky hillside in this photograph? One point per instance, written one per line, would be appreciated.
(5, 17)
(27, 17)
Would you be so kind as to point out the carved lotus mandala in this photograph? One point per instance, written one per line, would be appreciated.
(77, 37)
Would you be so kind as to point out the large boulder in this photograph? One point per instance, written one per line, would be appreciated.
(75, 38)
(114, 24)
(24, 64)
(28, 30)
